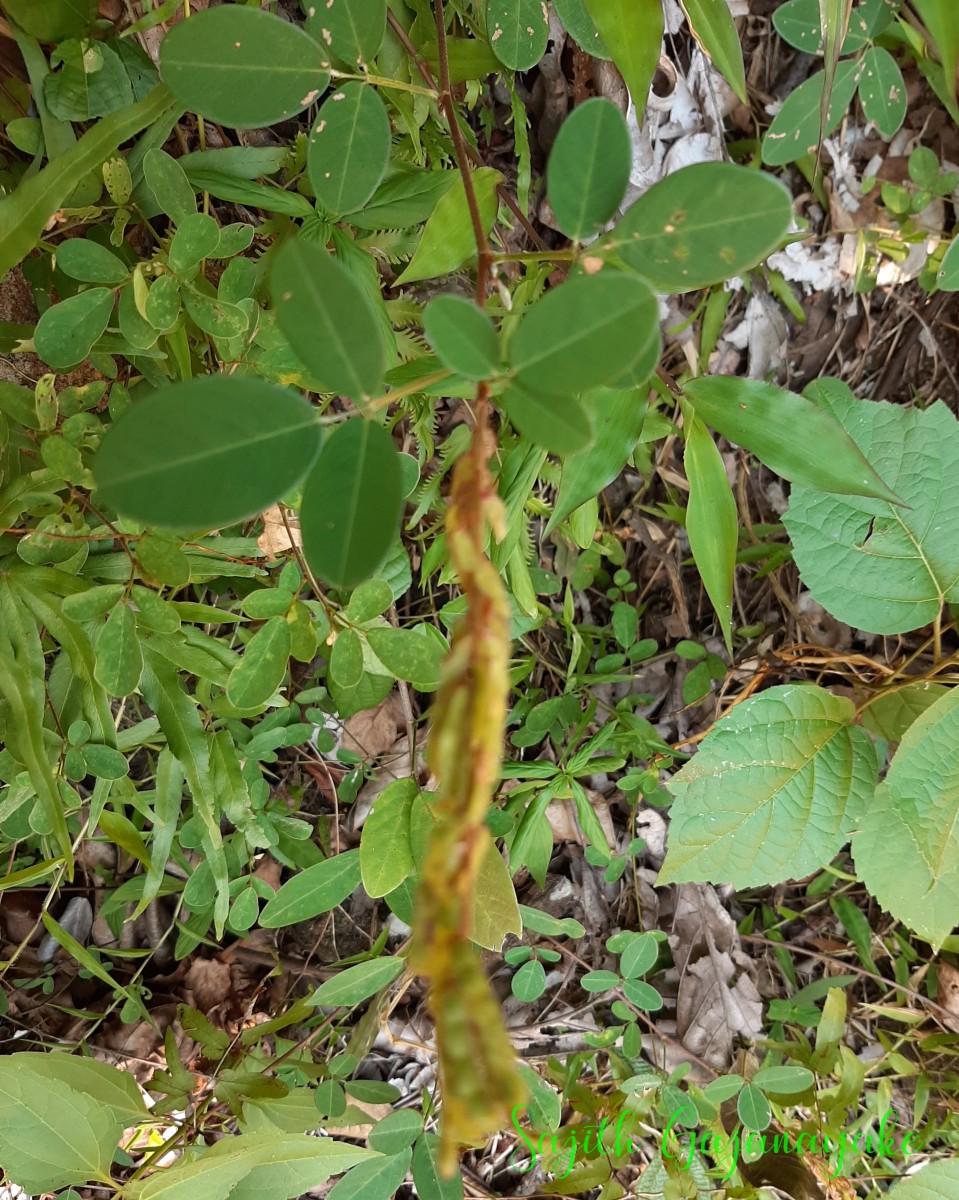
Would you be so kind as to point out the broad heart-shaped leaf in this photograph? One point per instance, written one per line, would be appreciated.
(882, 91)
(793, 436)
(796, 127)
(207, 452)
(353, 985)
(349, 148)
(386, 855)
(328, 319)
(580, 26)
(352, 503)
(907, 848)
(584, 333)
(463, 337)
(711, 522)
(938, 1181)
(52, 20)
(703, 224)
(557, 423)
(66, 332)
(617, 420)
(714, 29)
(879, 567)
(318, 889)
(243, 67)
(518, 31)
(252, 1166)
(51, 1135)
(632, 31)
(588, 167)
(353, 29)
(448, 240)
(90, 262)
(262, 668)
(773, 791)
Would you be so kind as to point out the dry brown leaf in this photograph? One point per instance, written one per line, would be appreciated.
(373, 731)
(274, 541)
(947, 993)
(561, 815)
(210, 981)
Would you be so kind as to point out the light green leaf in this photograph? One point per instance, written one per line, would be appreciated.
(397, 1131)
(91, 82)
(90, 262)
(588, 167)
(328, 319)
(414, 655)
(318, 889)
(579, 25)
(66, 332)
(243, 67)
(529, 982)
(262, 668)
(119, 661)
(941, 18)
(703, 224)
(879, 567)
(882, 91)
(891, 714)
(557, 423)
(386, 854)
(215, 317)
(162, 305)
(352, 502)
(518, 31)
(773, 791)
(448, 240)
(377, 1179)
(948, 277)
(938, 1181)
(495, 910)
(352, 29)
(206, 453)
(431, 1184)
(616, 419)
(346, 659)
(753, 1109)
(794, 437)
(463, 337)
(349, 148)
(715, 31)
(353, 985)
(711, 522)
(25, 212)
(585, 333)
(52, 20)
(907, 849)
(404, 199)
(111, 1087)
(785, 1080)
(795, 130)
(639, 956)
(196, 238)
(632, 31)
(172, 191)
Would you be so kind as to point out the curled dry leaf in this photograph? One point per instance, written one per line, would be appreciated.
(275, 541)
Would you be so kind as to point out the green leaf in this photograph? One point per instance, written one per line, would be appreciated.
(463, 337)
(216, 317)
(168, 182)
(352, 502)
(773, 792)
(588, 168)
(541, 922)
(585, 333)
(243, 67)
(353, 985)
(794, 437)
(632, 32)
(430, 1183)
(579, 25)
(162, 306)
(414, 655)
(349, 148)
(377, 1179)
(90, 262)
(703, 224)
(642, 995)
(938, 1181)
(92, 81)
(66, 332)
(715, 31)
(941, 18)
(24, 213)
(891, 715)
(753, 1109)
(206, 453)
(529, 982)
(119, 660)
(616, 419)
(784, 1081)
(795, 130)
(196, 238)
(948, 277)
(111, 1087)
(352, 29)
(877, 567)
(907, 850)
(51, 1135)
(639, 956)
(52, 21)
(448, 240)
(557, 423)
(495, 911)
(396, 1132)
(518, 31)
(882, 91)
(328, 319)
(712, 523)
(386, 854)
(318, 889)
(346, 659)
(262, 668)
(599, 981)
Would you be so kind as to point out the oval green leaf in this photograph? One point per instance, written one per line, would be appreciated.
(66, 332)
(352, 503)
(882, 91)
(588, 168)
(349, 148)
(262, 668)
(703, 224)
(90, 262)
(386, 854)
(52, 20)
(356, 984)
(318, 889)
(557, 423)
(796, 128)
(753, 1108)
(352, 29)
(119, 660)
(207, 452)
(171, 189)
(785, 1080)
(328, 319)
(518, 31)
(243, 67)
(463, 337)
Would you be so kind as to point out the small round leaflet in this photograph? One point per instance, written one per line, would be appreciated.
(463, 337)
(349, 148)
